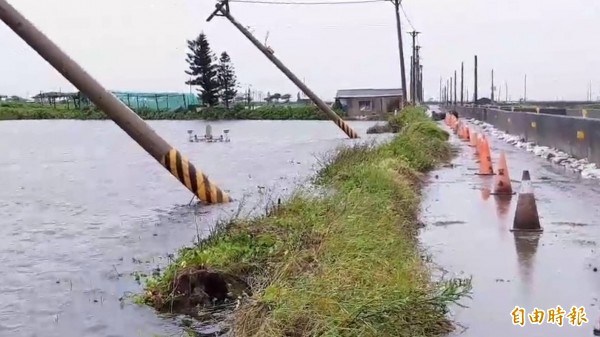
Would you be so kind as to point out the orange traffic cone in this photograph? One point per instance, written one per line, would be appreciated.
(527, 218)
(485, 160)
(473, 140)
(502, 184)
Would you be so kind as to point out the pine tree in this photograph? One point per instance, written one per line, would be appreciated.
(227, 79)
(202, 69)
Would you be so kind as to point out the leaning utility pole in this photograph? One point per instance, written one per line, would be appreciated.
(462, 79)
(440, 90)
(401, 51)
(180, 167)
(222, 9)
(413, 68)
(475, 93)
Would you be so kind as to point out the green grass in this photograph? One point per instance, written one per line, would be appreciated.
(16, 111)
(347, 264)
(396, 123)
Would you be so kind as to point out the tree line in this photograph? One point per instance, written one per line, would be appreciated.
(215, 78)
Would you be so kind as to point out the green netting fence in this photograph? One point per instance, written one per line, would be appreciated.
(158, 101)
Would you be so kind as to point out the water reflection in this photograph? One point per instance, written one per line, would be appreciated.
(526, 245)
(503, 205)
(485, 193)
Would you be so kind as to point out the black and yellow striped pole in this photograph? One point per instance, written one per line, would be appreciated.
(121, 114)
(222, 9)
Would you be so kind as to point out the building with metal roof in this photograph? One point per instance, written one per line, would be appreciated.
(364, 103)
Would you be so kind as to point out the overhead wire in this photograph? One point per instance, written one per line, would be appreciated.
(406, 16)
(268, 2)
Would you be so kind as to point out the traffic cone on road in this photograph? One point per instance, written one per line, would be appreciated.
(473, 140)
(597, 328)
(485, 160)
(502, 184)
(527, 218)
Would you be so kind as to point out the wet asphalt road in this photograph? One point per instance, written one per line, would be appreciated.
(467, 234)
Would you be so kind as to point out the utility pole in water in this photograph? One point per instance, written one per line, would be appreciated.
(401, 51)
(222, 9)
(180, 167)
(462, 86)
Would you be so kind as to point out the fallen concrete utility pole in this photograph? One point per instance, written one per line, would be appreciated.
(222, 9)
(120, 113)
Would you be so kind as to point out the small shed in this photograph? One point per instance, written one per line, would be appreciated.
(364, 103)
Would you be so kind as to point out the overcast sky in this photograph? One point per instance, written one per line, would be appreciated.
(140, 45)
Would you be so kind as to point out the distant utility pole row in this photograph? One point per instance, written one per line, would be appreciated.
(416, 72)
(401, 51)
(416, 68)
(449, 91)
(222, 9)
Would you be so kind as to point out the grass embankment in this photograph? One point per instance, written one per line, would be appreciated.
(15, 111)
(395, 123)
(347, 264)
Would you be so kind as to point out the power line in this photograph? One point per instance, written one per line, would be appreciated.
(406, 16)
(341, 26)
(266, 2)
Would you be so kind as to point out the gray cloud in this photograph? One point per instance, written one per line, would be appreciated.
(139, 45)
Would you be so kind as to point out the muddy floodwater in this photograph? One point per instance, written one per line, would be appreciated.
(467, 234)
(83, 207)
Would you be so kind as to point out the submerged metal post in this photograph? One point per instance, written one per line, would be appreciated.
(120, 113)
